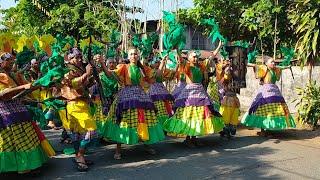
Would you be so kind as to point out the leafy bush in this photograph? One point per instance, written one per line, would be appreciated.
(308, 103)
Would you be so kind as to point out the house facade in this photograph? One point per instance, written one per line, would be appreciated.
(194, 37)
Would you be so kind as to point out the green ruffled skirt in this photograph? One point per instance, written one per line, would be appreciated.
(193, 121)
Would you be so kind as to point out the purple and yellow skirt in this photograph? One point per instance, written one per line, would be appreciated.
(194, 113)
(178, 89)
(269, 110)
(163, 101)
(132, 118)
(22, 145)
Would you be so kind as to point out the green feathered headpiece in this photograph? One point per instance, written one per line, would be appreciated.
(288, 54)
(252, 56)
(171, 62)
(144, 44)
(25, 56)
(115, 36)
(136, 41)
(215, 33)
(64, 43)
(53, 69)
(115, 41)
(147, 43)
(169, 18)
(175, 38)
(96, 47)
(53, 76)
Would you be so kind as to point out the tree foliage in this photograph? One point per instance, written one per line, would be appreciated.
(25, 18)
(260, 18)
(304, 16)
(226, 12)
(80, 19)
(245, 19)
(67, 17)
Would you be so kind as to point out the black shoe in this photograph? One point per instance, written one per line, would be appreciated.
(233, 131)
(222, 133)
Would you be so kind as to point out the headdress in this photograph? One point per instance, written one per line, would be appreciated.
(5, 56)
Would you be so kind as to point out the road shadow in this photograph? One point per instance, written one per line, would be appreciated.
(218, 158)
(238, 164)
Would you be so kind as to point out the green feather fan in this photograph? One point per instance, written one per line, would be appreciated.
(288, 54)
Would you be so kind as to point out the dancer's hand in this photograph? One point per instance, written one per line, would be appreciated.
(27, 86)
(165, 58)
(89, 69)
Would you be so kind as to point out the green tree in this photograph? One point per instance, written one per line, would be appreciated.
(82, 18)
(259, 18)
(226, 12)
(304, 16)
(268, 20)
(25, 18)
(67, 17)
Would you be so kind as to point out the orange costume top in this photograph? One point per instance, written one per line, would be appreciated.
(269, 76)
(180, 76)
(131, 74)
(74, 85)
(195, 74)
(6, 82)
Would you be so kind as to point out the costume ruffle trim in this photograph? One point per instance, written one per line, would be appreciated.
(271, 123)
(127, 135)
(194, 127)
(22, 160)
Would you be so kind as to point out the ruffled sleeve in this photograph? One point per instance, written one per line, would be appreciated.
(179, 74)
(278, 73)
(5, 82)
(260, 71)
(168, 74)
(120, 70)
(204, 65)
(187, 70)
(219, 72)
(149, 73)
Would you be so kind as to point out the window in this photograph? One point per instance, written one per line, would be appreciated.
(198, 41)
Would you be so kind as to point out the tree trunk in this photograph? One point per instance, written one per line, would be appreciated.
(310, 67)
(275, 34)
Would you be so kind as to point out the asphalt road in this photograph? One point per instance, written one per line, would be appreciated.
(293, 154)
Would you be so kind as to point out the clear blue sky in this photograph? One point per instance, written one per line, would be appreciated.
(7, 4)
(4, 4)
(153, 10)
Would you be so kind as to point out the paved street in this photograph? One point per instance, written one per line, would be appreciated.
(289, 155)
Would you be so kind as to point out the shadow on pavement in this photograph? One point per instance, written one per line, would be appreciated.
(218, 158)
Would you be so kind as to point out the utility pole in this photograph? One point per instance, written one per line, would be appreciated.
(161, 26)
(146, 17)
